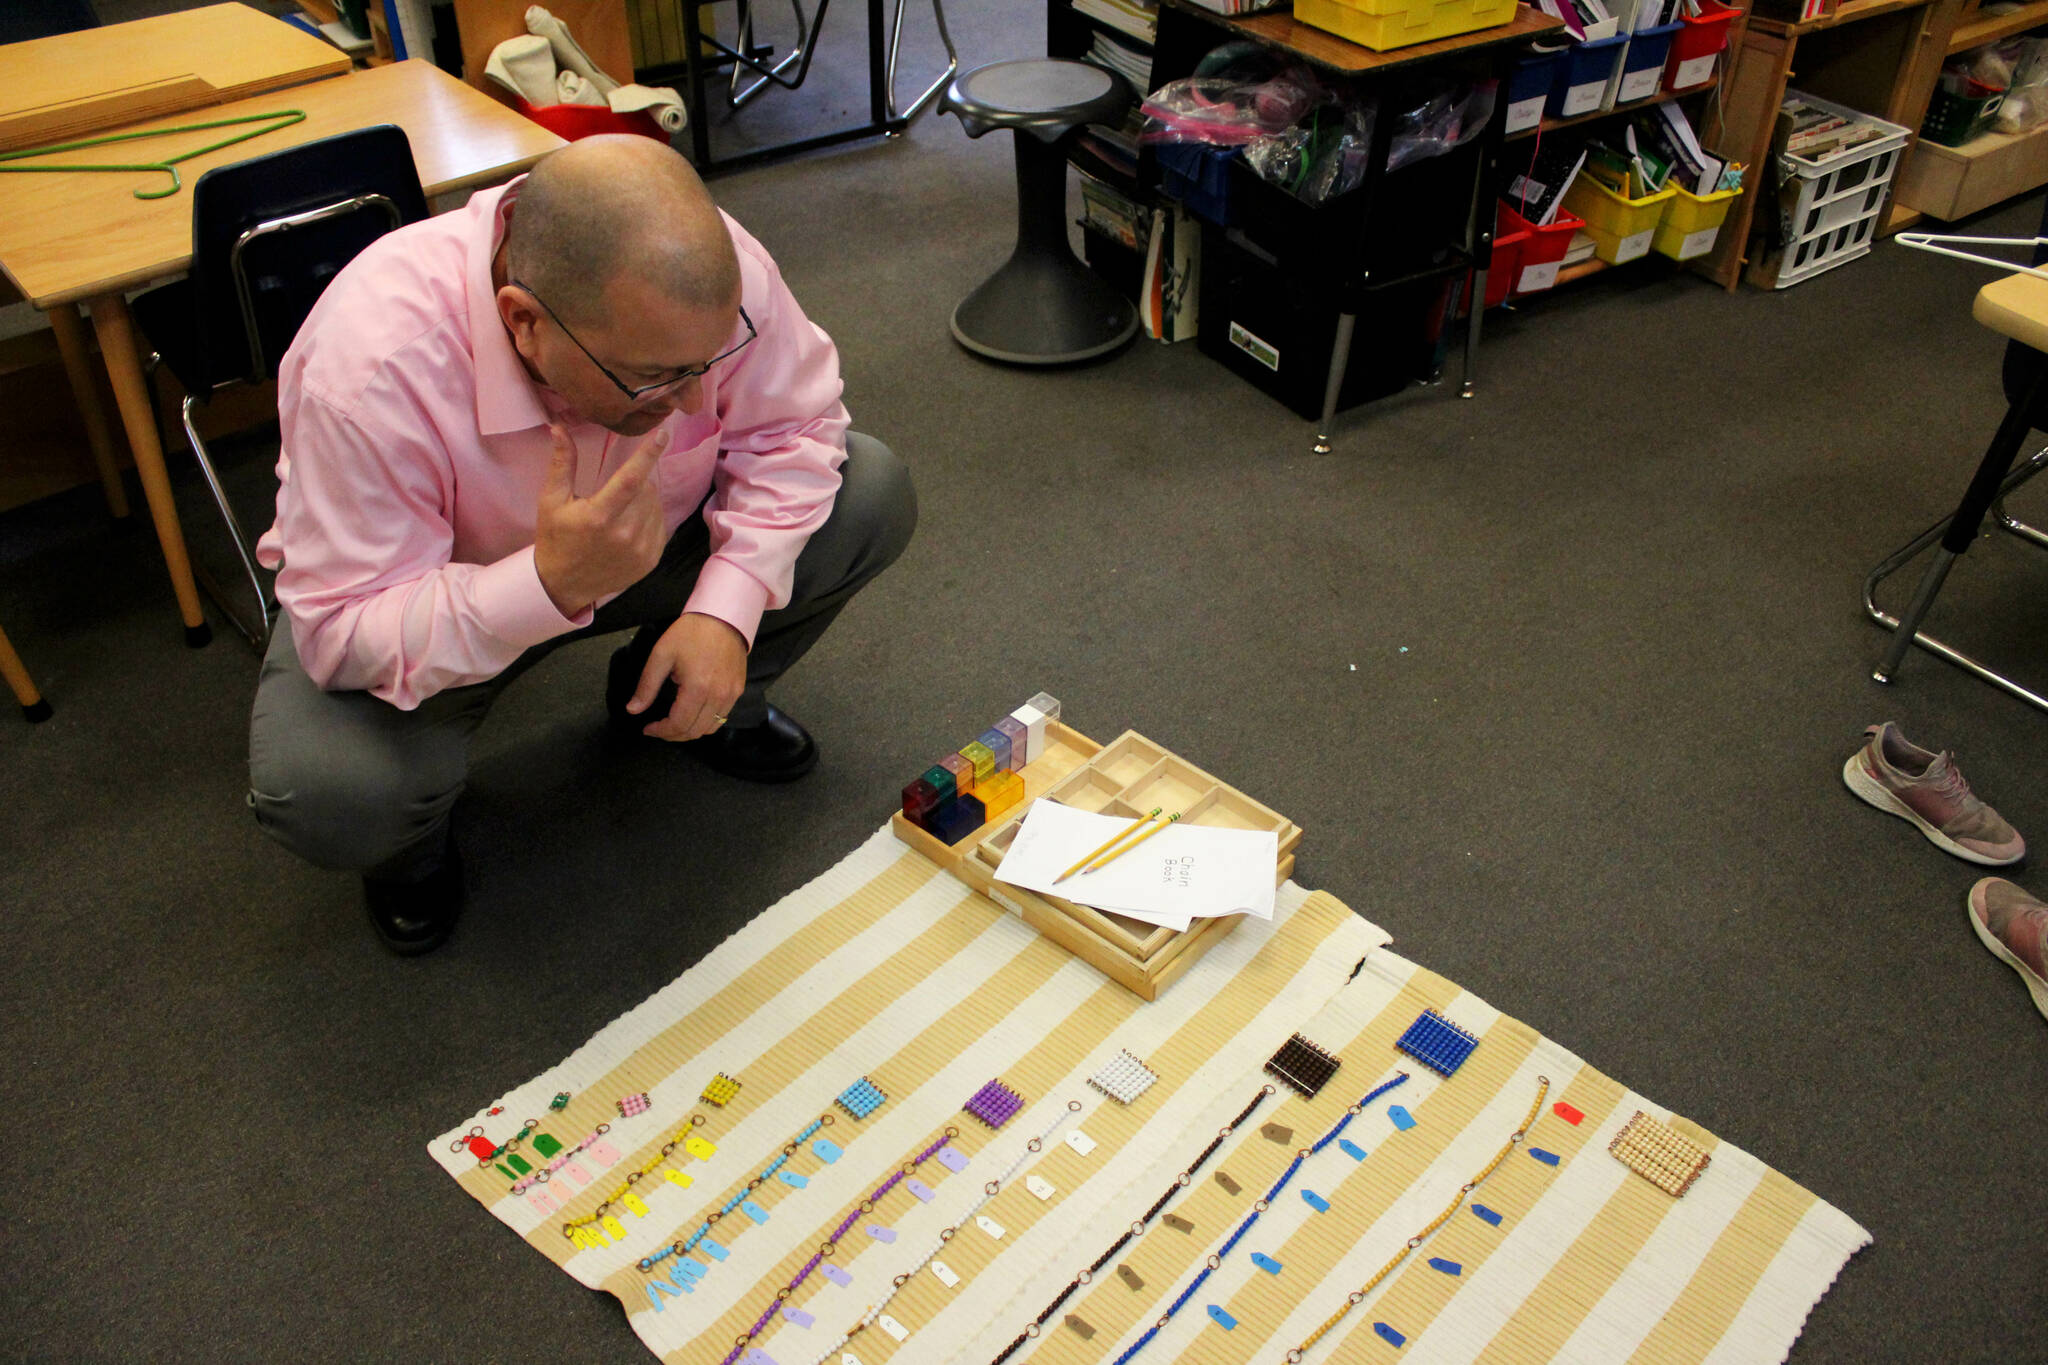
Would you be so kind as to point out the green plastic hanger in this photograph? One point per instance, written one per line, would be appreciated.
(283, 118)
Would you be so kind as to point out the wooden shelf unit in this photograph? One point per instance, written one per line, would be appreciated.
(1973, 30)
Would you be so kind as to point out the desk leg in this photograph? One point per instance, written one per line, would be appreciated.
(33, 707)
(115, 326)
(71, 343)
(1333, 385)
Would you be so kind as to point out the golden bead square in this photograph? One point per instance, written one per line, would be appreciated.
(1659, 1154)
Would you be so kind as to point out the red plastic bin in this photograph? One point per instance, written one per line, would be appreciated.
(573, 121)
(1542, 251)
(1698, 46)
(1504, 267)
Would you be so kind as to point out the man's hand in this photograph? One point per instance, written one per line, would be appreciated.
(587, 548)
(707, 660)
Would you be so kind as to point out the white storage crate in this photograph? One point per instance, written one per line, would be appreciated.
(1832, 204)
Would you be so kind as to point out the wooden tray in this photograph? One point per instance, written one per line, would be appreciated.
(1128, 776)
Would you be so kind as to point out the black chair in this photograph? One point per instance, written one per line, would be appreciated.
(21, 20)
(268, 234)
(2025, 378)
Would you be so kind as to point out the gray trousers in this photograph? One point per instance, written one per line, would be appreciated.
(346, 780)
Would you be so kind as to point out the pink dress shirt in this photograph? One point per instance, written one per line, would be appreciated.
(415, 444)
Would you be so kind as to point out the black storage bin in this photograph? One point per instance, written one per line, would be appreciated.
(1278, 327)
(1427, 206)
(1120, 267)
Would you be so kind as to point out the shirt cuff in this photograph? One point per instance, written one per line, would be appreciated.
(515, 605)
(731, 594)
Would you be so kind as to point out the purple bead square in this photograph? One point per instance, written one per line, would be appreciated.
(995, 1104)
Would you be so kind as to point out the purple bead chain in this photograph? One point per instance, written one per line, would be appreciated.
(866, 1206)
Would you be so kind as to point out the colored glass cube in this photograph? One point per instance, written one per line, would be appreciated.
(963, 773)
(861, 1098)
(961, 817)
(1002, 791)
(919, 797)
(998, 745)
(1033, 721)
(1047, 704)
(1020, 741)
(941, 779)
(1302, 1065)
(981, 756)
(1437, 1043)
(932, 819)
(995, 1104)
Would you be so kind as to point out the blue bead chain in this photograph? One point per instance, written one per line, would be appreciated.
(1279, 1185)
(704, 1228)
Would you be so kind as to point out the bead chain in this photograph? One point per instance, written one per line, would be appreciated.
(1180, 1182)
(831, 1244)
(1258, 1209)
(632, 1177)
(689, 1244)
(541, 1176)
(1357, 1296)
(988, 1192)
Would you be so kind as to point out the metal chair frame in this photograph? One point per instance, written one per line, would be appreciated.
(257, 632)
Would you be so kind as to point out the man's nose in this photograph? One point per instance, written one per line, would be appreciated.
(685, 398)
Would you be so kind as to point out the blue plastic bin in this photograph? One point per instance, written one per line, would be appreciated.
(1642, 69)
(1198, 175)
(1529, 89)
(1582, 76)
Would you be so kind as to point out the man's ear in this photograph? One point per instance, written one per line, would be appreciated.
(517, 310)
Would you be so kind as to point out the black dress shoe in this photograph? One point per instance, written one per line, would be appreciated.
(776, 750)
(416, 917)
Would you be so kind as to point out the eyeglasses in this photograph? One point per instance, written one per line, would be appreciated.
(659, 386)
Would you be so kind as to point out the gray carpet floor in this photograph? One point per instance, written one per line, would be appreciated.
(1558, 681)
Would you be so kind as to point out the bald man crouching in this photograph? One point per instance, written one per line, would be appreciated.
(584, 403)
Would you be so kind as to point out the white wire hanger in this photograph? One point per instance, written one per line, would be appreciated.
(1942, 244)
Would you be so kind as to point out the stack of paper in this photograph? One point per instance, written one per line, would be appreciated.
(1179, 875)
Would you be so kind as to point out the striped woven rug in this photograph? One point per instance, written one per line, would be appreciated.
(844, 1205)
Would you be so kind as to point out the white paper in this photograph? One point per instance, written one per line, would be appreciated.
(1181, 874)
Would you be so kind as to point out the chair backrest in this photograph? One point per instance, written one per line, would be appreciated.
(2023, 364)
(21, 20)
(270, 233)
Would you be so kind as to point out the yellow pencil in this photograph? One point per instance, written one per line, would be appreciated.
(1096, 866)
(1128, 831)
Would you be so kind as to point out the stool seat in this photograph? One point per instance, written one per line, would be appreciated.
(1043, 307)
(1045, 97)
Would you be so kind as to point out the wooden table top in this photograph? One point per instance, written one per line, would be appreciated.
(2017, 307)
(53, 89)
(72, 235)
(1280, 29)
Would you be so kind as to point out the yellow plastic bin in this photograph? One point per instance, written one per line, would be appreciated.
(1621, 228)
(1385, 24)
(1692, 222)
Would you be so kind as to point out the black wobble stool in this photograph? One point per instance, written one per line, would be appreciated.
(1043, 307)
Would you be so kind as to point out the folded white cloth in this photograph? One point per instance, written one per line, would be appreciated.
(571, 88)
(663, 103)
(526, 67)
(568, 55)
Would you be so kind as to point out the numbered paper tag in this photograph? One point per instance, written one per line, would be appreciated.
(1080, 1142)
(921, 1190)
(989, 1225)
(699, 1148)
(1039, 1186)
(893, 1327)
(945, 1274)
(953, 1161)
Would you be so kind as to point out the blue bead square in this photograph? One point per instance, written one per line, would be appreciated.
(861, 1098)
(1437, 1043)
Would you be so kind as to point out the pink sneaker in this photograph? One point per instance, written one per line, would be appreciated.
(1907, 781)
(2014, 926)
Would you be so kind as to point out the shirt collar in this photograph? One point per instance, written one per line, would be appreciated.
(507, 399)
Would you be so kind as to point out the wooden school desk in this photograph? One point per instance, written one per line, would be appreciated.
(67, 238)
(73, 85)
